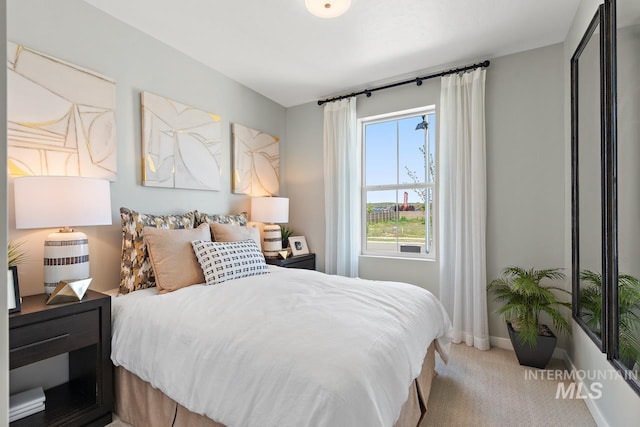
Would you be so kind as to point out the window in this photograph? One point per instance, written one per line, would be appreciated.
(399, 176)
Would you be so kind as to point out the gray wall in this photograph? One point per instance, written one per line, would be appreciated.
(529, 210)
(619, 404)
(525, 198)
(525, 171)
(77, 32)
(304, 175)
(629, 150)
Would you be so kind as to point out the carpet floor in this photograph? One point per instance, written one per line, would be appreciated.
(489, 389)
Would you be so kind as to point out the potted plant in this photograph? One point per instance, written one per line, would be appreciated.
(286, 232)
(16, 254)
(628, 312)
(524, 299)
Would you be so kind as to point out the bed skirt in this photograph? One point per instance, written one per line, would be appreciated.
(141, 405)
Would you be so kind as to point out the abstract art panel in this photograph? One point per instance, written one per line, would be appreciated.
(60, 117)
(256, 162)
(181, 145)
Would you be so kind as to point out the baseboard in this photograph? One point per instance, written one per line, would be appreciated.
(591, 406)
(505, 343)
(501, 343)
(559, 353)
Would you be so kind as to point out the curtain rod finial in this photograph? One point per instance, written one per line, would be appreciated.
(485, 64)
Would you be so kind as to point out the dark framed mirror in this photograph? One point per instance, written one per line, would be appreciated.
(589, 169)
(605, 159)
(625, 295)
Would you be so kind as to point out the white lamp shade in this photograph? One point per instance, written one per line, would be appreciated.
(61, 201)
(270, 209)
(327, 8)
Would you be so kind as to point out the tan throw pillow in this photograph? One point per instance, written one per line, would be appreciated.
(174, 264)
(235, 233)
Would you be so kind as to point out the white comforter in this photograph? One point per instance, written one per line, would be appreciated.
(291, 348)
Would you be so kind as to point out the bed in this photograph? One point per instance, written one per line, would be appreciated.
(205, 333)
(288, 348)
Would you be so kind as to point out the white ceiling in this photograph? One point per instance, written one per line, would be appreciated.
(278, 49)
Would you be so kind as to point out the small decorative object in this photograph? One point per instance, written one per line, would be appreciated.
(256, 162)
(298, 245)
(270, 210)
(13, 290)
(181, 145)
(60, 117)
(54, 201)
(69, 291)
(524, 299)
(284, 253)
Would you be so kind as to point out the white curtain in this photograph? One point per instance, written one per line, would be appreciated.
(462, 213)
(341, 188)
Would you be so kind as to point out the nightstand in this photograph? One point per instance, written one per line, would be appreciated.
(82, 329)
(307, 261)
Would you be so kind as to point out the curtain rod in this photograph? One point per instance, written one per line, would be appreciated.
(417, 81)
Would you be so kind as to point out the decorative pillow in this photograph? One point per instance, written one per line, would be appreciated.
(204, 218)
(235, 233)
(136, 271)
(222, 261)
(174, 264)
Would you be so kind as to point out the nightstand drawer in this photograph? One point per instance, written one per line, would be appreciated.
(307, 261)
(306, 264)
(31, 343)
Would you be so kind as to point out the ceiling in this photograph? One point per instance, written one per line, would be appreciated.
(280, 50)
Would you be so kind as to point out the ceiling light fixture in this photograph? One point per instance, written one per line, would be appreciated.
(327, 8)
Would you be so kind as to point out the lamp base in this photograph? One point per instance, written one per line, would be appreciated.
(66, 257)
(271, 240)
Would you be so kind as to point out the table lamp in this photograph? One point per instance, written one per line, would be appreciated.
(270, 210)
(62, 201)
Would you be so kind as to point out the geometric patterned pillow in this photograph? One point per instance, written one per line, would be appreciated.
(136, 271)
(222, 261)
(204, 218)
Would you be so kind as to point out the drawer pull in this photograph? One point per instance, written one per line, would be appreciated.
(23, 347)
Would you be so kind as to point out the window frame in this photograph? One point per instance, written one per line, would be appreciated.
(364, 188)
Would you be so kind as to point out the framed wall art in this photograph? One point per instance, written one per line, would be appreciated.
(60, 117)
(181, 145)
(256, 162)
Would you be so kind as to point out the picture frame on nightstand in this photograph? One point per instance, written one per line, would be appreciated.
(13, 290)
(298, 245)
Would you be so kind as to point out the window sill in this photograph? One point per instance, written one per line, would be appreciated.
(398, 257)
